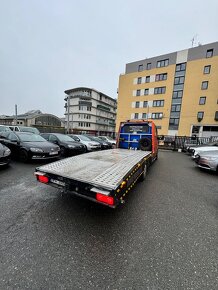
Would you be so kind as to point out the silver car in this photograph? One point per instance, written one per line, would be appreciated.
(208, 160)
(90, 145)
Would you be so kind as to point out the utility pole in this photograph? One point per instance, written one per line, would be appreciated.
(15, 114)
(68, 114)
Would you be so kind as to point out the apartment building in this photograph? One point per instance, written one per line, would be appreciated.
(179, 91)
(90, 111)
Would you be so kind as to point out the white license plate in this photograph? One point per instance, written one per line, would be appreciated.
(57, 182)
(53, 153)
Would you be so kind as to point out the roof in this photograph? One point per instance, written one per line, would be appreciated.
(88, 89)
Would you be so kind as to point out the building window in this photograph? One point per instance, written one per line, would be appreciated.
(204, 85)
(158, 103)
(181, 66)
(161, 77)
(139, 81)
(148, 66)
(138, 92)
(144, 116)
(216, 116)
(209, 53)
(202, 100)
(200, 116)
(163, 63)
(136, 116)
(174, 121)
(146, 92)
(145, 104)
(140, 67)
(179, 80)
(157, 115)
(175, 108)
(159, 90)
(177, 94)
(147, 79)
(137, 104)
(207, 69)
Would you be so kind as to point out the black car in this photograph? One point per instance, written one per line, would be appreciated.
(104, 144)
(68, 146)
(5, 155)
(27, 146)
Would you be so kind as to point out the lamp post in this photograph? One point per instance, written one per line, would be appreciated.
(68, 114)
(15, 114)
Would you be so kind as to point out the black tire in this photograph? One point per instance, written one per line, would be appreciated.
(145, 144)
(24, 155)
(142, 177)
(62, 152)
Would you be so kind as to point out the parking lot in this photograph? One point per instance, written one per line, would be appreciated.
(163, 237)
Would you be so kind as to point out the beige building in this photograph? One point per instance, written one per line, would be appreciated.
(179, 91)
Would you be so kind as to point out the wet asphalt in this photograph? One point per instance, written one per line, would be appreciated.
(164, 237)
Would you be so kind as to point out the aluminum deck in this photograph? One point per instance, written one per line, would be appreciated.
(102, 168)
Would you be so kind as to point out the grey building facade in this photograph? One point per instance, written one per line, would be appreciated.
(89, 111)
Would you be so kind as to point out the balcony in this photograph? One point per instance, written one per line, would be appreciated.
(103, 108)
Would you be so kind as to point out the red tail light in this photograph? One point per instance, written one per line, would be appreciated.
(42, 178)
(105, 199)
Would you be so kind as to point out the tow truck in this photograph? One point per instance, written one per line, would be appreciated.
(106, 176)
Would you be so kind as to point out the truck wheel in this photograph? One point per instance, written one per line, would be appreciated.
(145, 144)
(23, 156)
(144, 173)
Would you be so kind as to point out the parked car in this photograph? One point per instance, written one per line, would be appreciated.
(208, 160)
(104, 144)
(68, 146)
(90, 145)
(190, 144)
(108, 139)
(5, 155)
(200, 149)
(27, 146)
(4, 128)
(24, 129)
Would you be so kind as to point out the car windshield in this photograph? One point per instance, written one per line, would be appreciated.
(84, 138)
(29, 129)
(96, 139)
(75, 138)
(30, 137)
(4, 129)
(109, 138)
(65, 138)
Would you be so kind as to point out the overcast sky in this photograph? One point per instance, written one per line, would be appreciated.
(48, 46)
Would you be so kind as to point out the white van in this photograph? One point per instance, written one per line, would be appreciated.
(24, 129)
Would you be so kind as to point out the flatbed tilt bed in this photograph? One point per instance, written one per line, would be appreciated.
(102, 176)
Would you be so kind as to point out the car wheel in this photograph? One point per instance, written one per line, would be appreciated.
(24, 156)
(62, 152)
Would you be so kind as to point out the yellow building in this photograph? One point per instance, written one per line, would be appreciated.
(179, 91)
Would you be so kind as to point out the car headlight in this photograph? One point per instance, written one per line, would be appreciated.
(7, 152)
(33, 149)
(71, 146)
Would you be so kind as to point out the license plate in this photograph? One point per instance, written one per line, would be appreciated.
(55, 181)
(53, 153)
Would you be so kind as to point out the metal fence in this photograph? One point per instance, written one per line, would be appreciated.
(181, 142)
